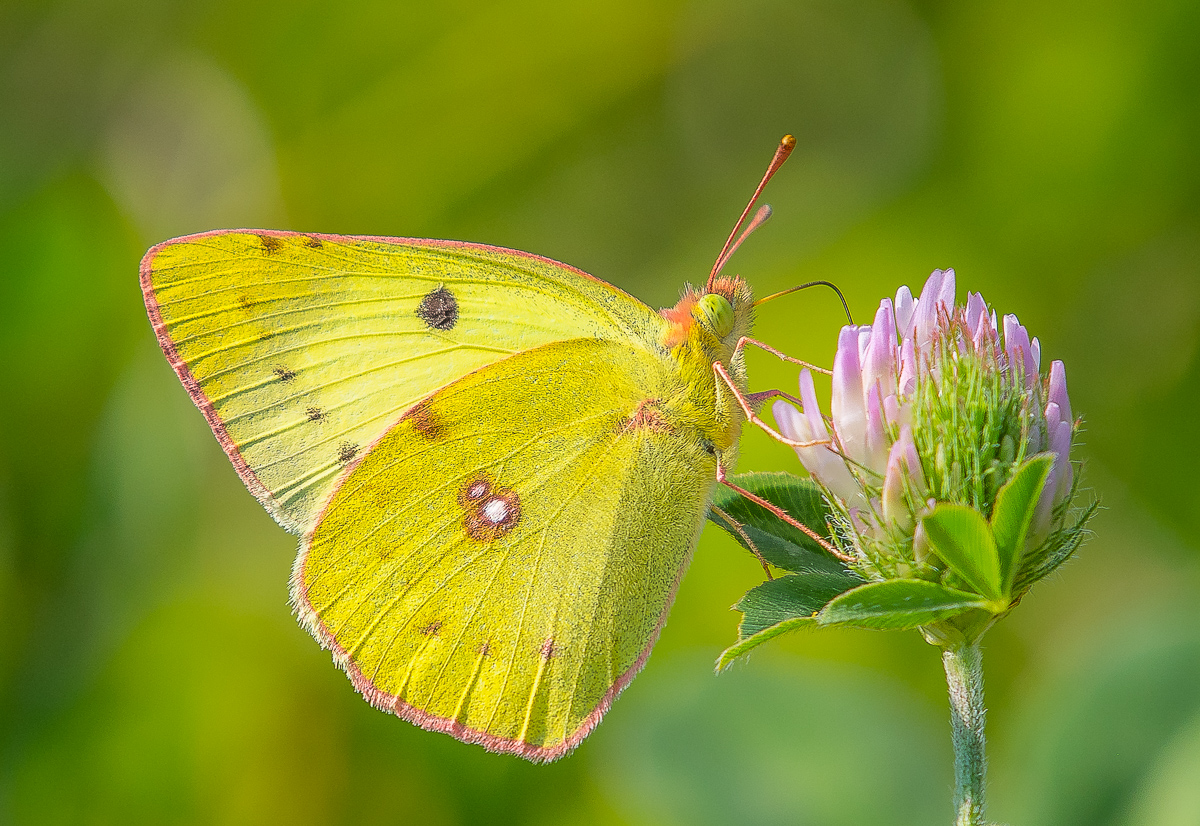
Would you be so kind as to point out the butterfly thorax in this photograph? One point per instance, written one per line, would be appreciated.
(703, 329)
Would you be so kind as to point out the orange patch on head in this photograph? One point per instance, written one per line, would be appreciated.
(680, 319)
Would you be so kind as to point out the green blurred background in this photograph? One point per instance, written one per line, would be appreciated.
(150, 670)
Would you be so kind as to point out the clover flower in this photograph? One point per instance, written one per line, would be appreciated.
(941, 489)
(935, 403)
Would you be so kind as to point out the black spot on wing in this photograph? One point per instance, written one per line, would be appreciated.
(285, 373)
(315, 414)
(439, 309)
(313, 243)
(346, 452)
(270, 243)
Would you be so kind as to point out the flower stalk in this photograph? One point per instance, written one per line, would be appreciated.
(964, 678)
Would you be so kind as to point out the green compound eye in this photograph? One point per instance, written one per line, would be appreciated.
(716, 312)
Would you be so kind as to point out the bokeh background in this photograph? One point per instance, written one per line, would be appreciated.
(150, 670)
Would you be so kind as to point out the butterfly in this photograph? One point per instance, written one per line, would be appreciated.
(498, 465)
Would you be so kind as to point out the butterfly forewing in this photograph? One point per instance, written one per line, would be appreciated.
(301, 349)
(499, 563)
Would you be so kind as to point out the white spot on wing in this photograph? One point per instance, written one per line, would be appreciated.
(495, 511)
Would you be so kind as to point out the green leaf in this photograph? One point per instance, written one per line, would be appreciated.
(780, 544)
(898, 604)
(1015, 506)
(783, 604)
(780, 552)
(963, 539)
(794, 595)
(745, 645)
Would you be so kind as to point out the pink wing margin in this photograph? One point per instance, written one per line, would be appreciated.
(308, 617)
(306, 614)
(431, 722)
(252, 482)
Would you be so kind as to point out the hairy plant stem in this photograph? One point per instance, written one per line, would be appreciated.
(964, 678)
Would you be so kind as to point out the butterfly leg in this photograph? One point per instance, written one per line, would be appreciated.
(744, 340)
(782, 514)
(737, 527)
(756, 399)
(751, 416)
(745, 403)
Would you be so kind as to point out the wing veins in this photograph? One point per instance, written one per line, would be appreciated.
(496, 574)
(250, 343)
(591, 474)
(570, 285)
(258, 317)
(247, 388)
(383, 577)
(396, 514)
(525, 606)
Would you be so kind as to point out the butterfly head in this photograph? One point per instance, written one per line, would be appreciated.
(711, 319)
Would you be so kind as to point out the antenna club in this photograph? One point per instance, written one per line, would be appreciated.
(786, 145)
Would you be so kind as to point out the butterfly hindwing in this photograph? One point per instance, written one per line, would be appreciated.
(302, 349)
(498, 564)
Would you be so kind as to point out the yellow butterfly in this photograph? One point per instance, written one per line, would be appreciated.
(498, 465)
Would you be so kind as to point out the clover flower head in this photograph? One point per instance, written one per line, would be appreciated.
(935, 402)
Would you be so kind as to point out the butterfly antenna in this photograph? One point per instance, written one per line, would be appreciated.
(760, 218)
(828, 284)
(781, 154)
